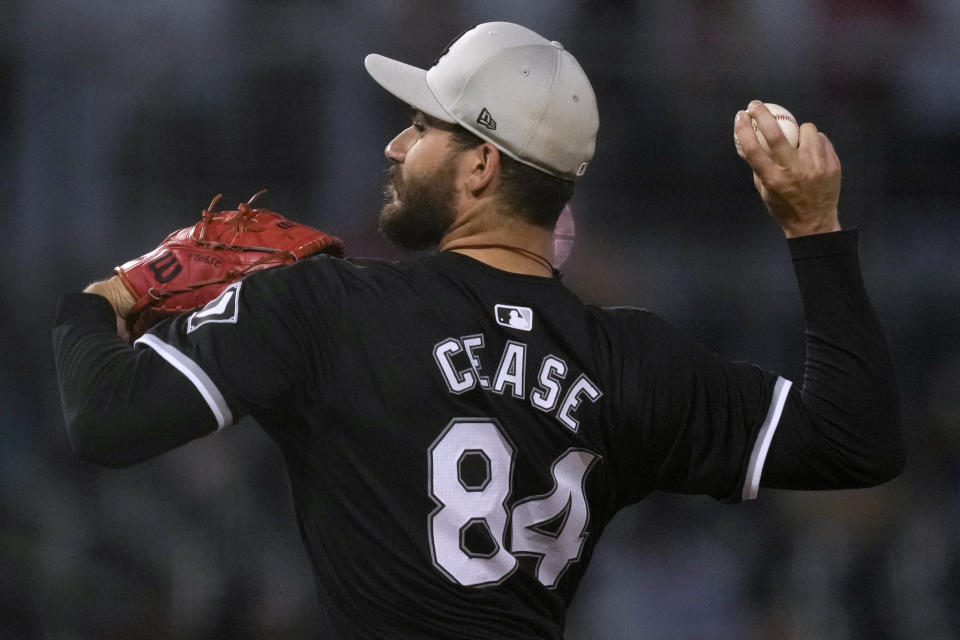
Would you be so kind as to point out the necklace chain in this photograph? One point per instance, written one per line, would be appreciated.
(536, 257)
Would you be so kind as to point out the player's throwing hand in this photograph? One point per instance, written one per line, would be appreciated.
(800, 186)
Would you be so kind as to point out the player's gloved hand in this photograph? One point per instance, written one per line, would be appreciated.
(194, 265)
(800, 186)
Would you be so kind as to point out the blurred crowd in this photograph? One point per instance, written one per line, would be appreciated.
(121, 120)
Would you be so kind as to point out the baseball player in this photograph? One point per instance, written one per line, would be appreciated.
(459, 427)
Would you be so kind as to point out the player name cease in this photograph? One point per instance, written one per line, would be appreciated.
(551, 393)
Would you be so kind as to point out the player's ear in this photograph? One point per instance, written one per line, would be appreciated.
(484, 165)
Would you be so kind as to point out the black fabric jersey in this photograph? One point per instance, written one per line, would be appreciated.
(457, 437)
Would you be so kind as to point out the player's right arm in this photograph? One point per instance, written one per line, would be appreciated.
(844, 428)
(706, 425)
(724, 428)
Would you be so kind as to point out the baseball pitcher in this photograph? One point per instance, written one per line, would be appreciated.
(459, 427)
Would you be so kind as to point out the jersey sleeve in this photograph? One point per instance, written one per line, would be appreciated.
(255, 345)
(696, 423)
(120, 405)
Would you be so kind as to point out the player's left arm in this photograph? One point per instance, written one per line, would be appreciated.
(121, 405)
(187, 376)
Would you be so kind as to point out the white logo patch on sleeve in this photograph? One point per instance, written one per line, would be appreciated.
(223, 308)
(514, 317)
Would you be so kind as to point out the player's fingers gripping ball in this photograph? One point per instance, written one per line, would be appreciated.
(195, 264)
(788, 124)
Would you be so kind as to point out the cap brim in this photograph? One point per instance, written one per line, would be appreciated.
(406, 82)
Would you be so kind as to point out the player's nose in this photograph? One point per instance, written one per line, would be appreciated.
(396, 149)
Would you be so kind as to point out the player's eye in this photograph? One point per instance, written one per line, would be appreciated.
(419, 126)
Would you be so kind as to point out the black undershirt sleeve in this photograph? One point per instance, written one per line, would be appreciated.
(842, 428)
(121, 405)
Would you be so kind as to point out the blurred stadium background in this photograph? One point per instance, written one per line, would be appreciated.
(121, 120)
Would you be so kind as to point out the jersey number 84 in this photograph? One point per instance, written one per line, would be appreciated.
(470, 477)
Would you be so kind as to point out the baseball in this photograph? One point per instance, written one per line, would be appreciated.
(788, 124)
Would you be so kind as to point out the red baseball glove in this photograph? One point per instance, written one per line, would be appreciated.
(194, 265)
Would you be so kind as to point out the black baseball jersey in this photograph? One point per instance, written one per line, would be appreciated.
(457, 437)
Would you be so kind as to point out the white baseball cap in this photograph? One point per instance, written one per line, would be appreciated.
(509, 86)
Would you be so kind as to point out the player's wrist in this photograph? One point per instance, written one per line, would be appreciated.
(828, 224)
(116, 294)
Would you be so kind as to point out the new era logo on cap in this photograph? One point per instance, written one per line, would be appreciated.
(487, 120)
(514, 317)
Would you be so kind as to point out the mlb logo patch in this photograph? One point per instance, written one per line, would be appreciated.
(514, 317)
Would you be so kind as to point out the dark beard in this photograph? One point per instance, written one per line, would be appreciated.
(422, 212)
